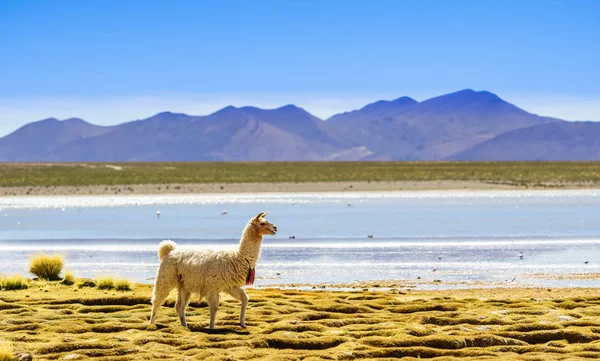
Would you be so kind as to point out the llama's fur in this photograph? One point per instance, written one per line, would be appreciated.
(208, 273)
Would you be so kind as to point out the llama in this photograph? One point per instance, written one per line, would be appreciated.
(209, 273)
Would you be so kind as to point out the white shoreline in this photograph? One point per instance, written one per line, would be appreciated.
(79, 201)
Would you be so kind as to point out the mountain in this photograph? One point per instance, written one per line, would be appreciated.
(555, 141)
(32, 141)
(433, 129)
(377, 110)
(466, 125)
(248, 133)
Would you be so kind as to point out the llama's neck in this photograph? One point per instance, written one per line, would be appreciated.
(250, 245)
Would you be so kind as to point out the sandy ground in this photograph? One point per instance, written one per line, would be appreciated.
(271, 187)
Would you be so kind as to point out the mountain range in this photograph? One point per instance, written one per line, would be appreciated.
(465, 125)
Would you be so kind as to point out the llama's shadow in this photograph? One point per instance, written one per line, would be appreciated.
(217, 331)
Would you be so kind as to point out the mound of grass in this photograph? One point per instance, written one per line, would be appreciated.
(86, 283)
(123, 285)
(6, 351)
(105, 283)
(13, 283)
(47, 267)
(69, 279)
(109, 283)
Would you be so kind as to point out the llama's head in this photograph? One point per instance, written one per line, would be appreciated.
(262, 226)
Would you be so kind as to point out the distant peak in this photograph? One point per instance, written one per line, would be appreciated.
(473, 93)
(289, 106)
(399, 103)
(168, 114)
(48, 120)
(73, 120)
(230, 109)
(246, 108)
(404, 100)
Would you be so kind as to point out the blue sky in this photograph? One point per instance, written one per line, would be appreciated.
(115, 61)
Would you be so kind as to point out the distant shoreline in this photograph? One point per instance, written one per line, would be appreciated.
(282, 187)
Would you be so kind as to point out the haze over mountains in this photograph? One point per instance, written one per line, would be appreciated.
(466, 125)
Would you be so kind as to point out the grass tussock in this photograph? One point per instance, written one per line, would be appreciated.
(6, 351)
(13, 283)
(109, 283)
(86, 283)
(123, 285)
(47, 267)
(302, 325)
(105, 283)
(69, 279)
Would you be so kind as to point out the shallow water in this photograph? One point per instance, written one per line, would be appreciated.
(461, 238)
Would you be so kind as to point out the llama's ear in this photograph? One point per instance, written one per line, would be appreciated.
(260, 215)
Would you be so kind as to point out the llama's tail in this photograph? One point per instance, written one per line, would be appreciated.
(165, 248)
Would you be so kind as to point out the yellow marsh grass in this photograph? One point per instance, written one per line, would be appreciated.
(47, 267)
(527, 324)
(6, 351)
(105, 283)
(109, 283)
(13, 283)
(122, 285)
(69, 279)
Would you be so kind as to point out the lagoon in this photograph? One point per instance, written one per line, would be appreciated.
(459, 239)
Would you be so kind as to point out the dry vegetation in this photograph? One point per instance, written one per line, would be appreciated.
(552, 174)
(47, 267)
(109, 283)
(13, 283)
(6, 351)
(69, 279)
(87, 323)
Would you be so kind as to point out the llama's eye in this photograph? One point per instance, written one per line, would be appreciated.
(262, 223)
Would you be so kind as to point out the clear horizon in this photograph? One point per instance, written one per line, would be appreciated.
(111, 62)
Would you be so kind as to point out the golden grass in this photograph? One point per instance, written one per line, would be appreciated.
(6, 351)
(109, 283)
(527, 324)
(552, 174)
(123, 285)
(47, 267)
(13, 283)
(105, 283)
(86, 283)
(69, 279)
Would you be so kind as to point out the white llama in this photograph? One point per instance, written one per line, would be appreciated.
(209, 273)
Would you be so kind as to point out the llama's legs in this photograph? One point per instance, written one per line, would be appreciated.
(212, 299)
(240, 295)
(164, 283)
(182, 301)
(158, 297)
